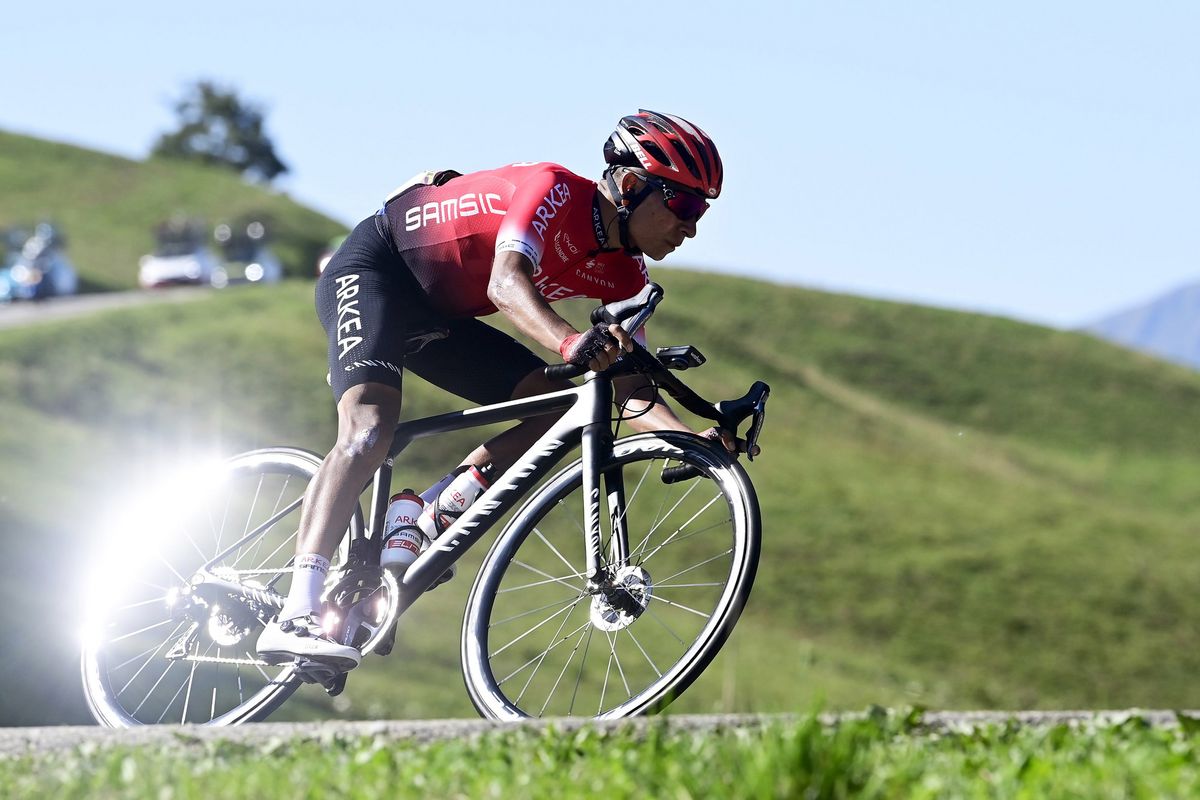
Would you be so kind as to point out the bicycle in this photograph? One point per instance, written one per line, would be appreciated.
(572, 612)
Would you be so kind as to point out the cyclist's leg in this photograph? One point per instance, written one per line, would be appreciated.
(505, 448)
(484, 365)
(366, 312)
(367, 415)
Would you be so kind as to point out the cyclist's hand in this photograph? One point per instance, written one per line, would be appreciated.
(731, 443)
(597, 347)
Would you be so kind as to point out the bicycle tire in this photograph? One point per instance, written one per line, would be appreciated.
(129, 680)
(548, 532)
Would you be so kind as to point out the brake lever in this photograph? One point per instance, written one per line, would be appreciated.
(753, 405)
(756, 424)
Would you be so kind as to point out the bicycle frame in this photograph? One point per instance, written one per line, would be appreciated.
(586, 422)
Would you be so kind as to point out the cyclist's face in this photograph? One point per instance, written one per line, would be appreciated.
(656, 230)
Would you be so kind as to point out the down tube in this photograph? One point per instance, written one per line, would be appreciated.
(504, 492)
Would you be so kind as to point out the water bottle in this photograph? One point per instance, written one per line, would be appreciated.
(402, 538)
(452, 501)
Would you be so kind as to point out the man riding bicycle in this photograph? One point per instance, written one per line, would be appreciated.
(446, 249)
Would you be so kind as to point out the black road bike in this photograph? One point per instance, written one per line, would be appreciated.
(606, 594)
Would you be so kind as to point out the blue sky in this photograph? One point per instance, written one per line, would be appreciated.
(1030, 159)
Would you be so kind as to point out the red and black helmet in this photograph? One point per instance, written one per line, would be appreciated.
(669, 147)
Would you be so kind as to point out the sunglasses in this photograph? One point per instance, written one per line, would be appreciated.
(686, 206)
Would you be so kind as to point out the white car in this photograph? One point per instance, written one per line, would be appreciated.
(178, 265)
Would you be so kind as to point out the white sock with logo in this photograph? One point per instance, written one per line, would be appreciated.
(308, 580)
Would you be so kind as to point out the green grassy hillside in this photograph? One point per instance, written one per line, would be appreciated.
(108, 206)
(960, 511)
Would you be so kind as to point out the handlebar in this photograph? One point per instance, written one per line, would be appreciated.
(631, 315)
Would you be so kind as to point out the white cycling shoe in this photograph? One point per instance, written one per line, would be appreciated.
(303, 638)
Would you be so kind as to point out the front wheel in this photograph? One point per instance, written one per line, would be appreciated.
(539, 639)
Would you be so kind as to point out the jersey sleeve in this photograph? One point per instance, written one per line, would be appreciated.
(537, 206)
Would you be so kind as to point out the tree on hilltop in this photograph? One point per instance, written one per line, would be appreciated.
(217, 127)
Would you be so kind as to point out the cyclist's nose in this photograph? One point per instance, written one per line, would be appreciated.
(689, 228)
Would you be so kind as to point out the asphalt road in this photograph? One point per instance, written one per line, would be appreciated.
(15, 315)
(30, 741)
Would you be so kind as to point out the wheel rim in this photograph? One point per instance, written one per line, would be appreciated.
(157, 652)
(538, 642)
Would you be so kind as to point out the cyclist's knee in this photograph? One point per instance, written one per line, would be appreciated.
(366, 419)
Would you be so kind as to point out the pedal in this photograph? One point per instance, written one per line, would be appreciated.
(388, 641)
(310, 671)
(446, 576)
(334, 686)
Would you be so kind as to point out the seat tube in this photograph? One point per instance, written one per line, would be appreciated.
(596, 447)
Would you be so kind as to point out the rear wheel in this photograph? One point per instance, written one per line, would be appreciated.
(539, 639)
(161, 647)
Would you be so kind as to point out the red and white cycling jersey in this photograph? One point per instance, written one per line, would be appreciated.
(449, 235)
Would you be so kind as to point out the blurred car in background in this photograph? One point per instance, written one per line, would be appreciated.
(35, 266)
(246, 256)
(181, 256)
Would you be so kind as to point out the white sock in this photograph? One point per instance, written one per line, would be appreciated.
(308, 580)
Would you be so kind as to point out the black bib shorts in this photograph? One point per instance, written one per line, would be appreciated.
(371, 305)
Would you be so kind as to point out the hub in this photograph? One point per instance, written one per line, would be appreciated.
(625, 597)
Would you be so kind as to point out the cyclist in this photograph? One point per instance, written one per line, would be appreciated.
(446, 249)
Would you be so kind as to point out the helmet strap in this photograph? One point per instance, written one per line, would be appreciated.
(625, 206)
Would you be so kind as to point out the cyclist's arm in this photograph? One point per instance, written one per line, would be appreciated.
(512, 291)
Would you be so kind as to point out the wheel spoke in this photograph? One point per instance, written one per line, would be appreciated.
(212, 708)
(666, 627)
(160, 646)
(143, 630)
(542, 655)
(153, 688)
(127, 607)
(555, 604)
(191, 681)
(681, 528)
(249, 519)
(565, 611)
(582, 662)
(649, 660)
(275, 552)
(563, 671)
(612, 659)
(219, 530)
(537, 571)
(700, 614)
(663, 581)
(661, 518)
(554, 550)
(563, 580)
(252, 658)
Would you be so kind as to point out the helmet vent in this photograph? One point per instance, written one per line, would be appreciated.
(686, 158)
(656, 152)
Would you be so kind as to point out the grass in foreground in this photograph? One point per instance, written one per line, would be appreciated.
(881, 756)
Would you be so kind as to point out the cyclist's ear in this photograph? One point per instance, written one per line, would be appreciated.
(628, 183)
